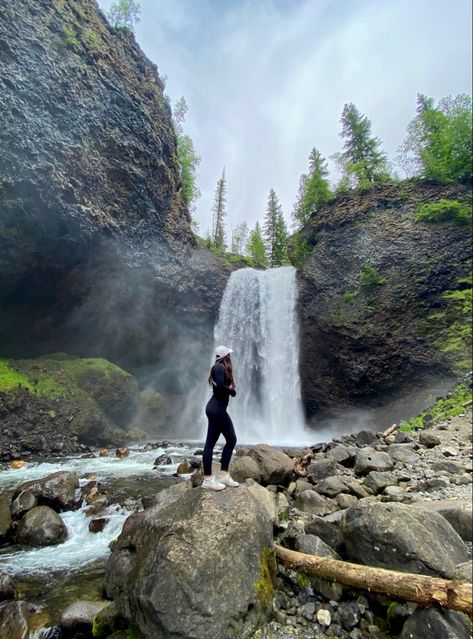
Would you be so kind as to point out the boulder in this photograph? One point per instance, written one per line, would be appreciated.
(7, 588)
(163, 460)
(433, 623)
(41, 526)
(428, 439)
(377, 481)
(464, 572)
(80, 615)
(97, 525)
(122, 452)
(346, 501)
(331, 486)
(310, 501)
(245, 467)
(451, 467)
(184, 467)
(300, 485)
(57, 490)
(368, 459)
(265, 498)
(403, 453)
(5, 516)
(399, 537)
(365, 437)
(276, 467)
(313, 545)
(22, 503)
(329, 533)
(168, 494)
(342, 454)
(198, 566)
(323, 468)
(21, 620)
(458, 513)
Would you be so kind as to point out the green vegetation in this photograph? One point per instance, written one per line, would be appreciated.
(10, 379)
(438, 145)
(218, 210)
(275, 232)
(314, 189)
(124, 14)
(350, 296)
(444, 408)
(70, 40)
(370, 276)
(266, 583)
(444, 211)
(256, 247)
(298, 248)
(41, 384)
(186, 156)
(303, 580)
(93, 37)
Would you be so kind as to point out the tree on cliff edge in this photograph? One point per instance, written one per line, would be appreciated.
(187, 157)
(314, 189)
(124, 14)
(362, 161)
(218, 213)
(256, 249)
(275, 232)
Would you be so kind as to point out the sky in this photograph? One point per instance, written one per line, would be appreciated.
(266, 80)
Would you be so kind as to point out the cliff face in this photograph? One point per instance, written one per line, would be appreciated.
(377, 297)
(96, 252)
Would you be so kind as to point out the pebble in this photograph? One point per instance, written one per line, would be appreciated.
(324, 617)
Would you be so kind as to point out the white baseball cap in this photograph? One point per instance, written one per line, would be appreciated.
(222, 351)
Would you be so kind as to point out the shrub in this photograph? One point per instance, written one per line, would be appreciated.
(69, 38)
(444, 211)
(370, 276)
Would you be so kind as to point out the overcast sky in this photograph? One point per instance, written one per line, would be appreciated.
(266, 80)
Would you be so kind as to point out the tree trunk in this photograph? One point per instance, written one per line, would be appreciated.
(421, 589)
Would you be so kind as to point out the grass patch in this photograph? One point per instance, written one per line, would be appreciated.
(350, 296)
(370, 276)
(444, 211)
(70, 40)
(10, 379)
(444, 408)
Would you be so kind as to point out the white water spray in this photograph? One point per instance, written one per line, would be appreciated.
(258, 320)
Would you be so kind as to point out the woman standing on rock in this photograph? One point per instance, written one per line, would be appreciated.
(220, 423)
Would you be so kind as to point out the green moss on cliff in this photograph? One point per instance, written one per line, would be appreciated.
(444, 408)
(41, 385)
(266, 582)
(10, 379)
(444, 211)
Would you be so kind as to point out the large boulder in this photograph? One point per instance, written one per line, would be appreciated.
(369, 459)
(276, 467)
(402, 538)
(41, 526)
(21, 620)
(310, 501)
(245, 467)
(57, 490)
(7, 587)
(458, 513)
(199, 566)
(433, 623)
(79, 616)
(5, 517)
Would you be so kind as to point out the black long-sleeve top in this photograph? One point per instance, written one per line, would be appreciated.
(221, 391)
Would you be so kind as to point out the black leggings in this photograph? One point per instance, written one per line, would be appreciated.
(220, 423)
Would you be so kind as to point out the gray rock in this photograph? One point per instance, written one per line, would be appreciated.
(80, 615)
(454, 468)
(368, 459)
(7, 588)
(311, 502)
(346, 501)
(276, 467)
(20, 620)
(378, 481)
(265, 498)
(403, 453)
(331, 486)
(57, 490)
(301, 485)
(5, 516)
(402, 538)
(342, 454)
(323, 468)
(312, 545)
(355, 487)
(22, 503)
(41, 526)
(168, 494)
(349, 614)
(365, 437)
(429, 439)
(170, 568)
(329, 533)
(245, 467)
(458, 512)
(464, 572)
(433, 623)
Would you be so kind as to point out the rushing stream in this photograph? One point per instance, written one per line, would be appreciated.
(258, 320)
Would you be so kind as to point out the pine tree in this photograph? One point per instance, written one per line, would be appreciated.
(362, 160)
(187, 157)
(314, 189)
(255, 247)
(218, 211)
(275, 232)
(239, 238)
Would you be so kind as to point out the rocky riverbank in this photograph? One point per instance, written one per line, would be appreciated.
(195, 564)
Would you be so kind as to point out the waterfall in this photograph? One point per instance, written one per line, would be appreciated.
(258, 320)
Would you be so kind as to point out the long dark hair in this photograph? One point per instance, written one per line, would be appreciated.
(228, 371)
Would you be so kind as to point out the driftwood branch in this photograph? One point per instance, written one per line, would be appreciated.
(390, 430)
(421, 589)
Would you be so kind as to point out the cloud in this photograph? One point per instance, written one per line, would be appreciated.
(265, 80)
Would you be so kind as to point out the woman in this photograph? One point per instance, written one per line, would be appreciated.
(223, 384)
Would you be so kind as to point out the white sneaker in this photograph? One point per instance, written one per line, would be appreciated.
(212, 484)
(228, 481)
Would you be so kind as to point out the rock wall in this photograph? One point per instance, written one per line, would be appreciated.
(364, 343)
(96, 252)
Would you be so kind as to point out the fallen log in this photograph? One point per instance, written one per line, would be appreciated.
(390, 430)
(421, 589)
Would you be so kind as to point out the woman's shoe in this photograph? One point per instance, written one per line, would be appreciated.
(228, 481)
(212, 484)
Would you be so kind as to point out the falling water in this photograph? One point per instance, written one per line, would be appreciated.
(258, 320)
